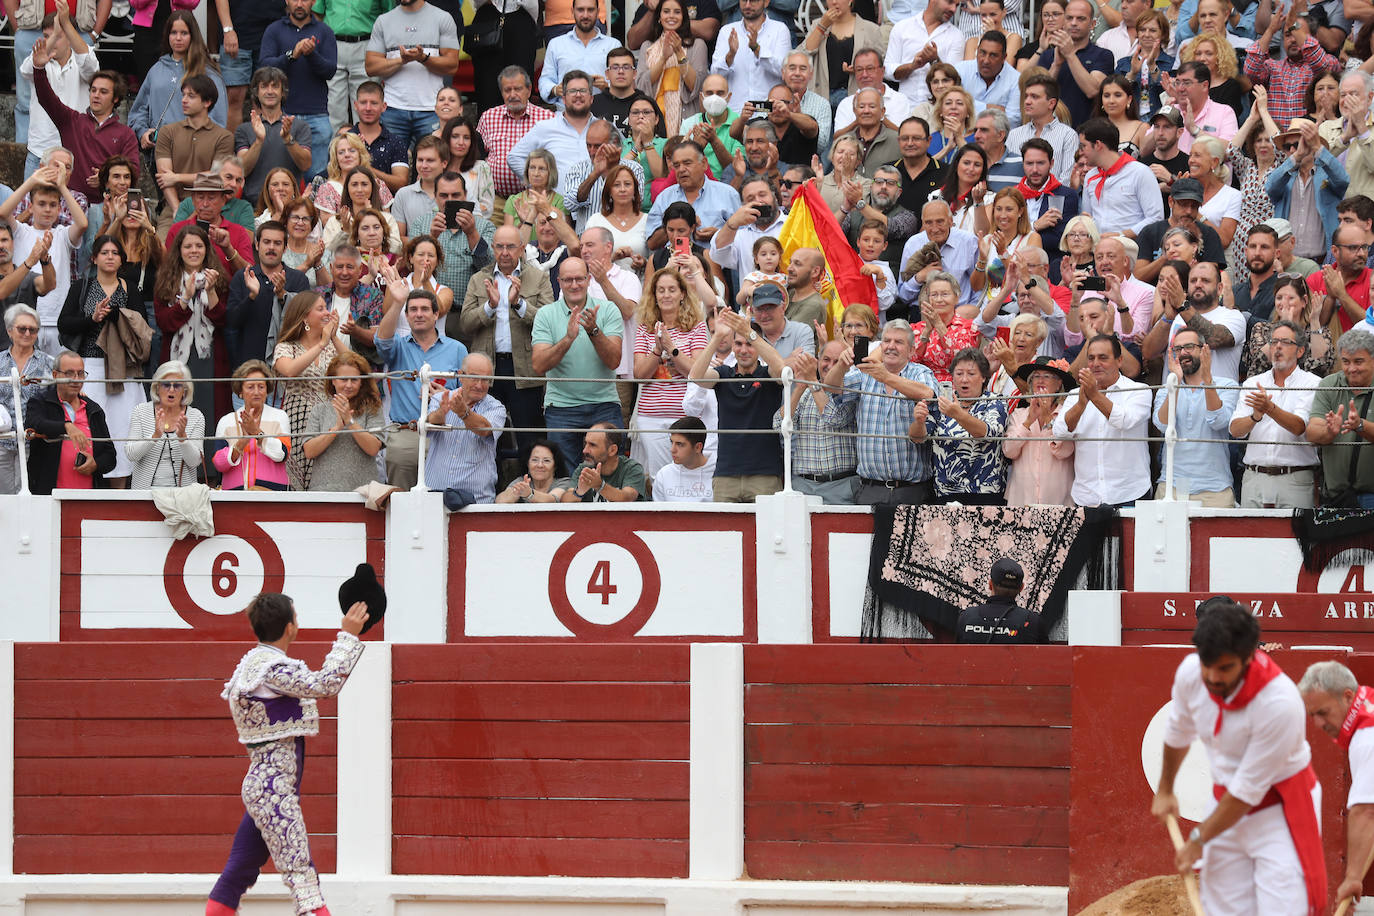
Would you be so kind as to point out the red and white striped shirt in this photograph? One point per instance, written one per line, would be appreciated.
(500, 131)
(664, 399)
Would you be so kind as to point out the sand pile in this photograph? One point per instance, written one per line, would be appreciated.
(1162, 895)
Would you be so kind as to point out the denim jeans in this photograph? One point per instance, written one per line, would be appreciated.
(582, 417)
(320, 134)
(31, 164)
(24, 40)
(409, 125)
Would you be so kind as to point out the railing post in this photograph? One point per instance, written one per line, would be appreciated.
(789, 379)
(19, 439)
(422, 427)
(1170, 433)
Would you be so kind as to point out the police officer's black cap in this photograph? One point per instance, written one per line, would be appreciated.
(1007, 573)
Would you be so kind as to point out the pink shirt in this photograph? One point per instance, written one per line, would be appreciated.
(1041, 467)
(1140, 297)
(1212, 118)
(67, 476)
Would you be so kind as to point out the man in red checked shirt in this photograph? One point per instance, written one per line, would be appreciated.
(1288, 77)
(1260, 844)
(503, 126)
(1344, 710)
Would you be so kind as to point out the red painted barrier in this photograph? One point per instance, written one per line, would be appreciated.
(1291, 619)
(540, 760)
(126, 760)
(904, 763)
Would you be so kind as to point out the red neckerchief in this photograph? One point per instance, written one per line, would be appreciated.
(1030, 193)
(1262, 670)
(1361, 715)
(1103, 174)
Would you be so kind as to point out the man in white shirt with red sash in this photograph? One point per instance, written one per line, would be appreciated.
(1345, 710)
(1260, 845)
(1119, 193)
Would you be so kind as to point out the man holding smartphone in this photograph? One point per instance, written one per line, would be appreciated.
(464, 237)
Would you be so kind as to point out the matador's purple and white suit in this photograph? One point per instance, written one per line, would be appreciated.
(272, 699)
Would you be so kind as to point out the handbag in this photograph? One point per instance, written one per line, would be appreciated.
(485, 34)
(1347, 497)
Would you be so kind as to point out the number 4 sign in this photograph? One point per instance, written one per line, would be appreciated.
(604, 588)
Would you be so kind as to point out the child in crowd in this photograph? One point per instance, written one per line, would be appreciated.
(688, 478)
(767, 266)
(872, 244)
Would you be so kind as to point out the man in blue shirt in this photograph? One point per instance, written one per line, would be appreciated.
(892, 470)
(564, 135)
(584, 48)
(958, 252)
(713, 201)
(407, 353)
(1202, 468)
(304, 49)
(992, 81)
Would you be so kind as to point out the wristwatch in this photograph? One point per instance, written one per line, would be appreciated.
(753, 336)
(1195, 836)
(593, 331)
(1123, 309)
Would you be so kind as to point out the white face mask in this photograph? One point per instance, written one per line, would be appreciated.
(713, 105)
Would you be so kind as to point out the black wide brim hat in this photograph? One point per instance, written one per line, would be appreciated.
(364, 587)
(1046, 364)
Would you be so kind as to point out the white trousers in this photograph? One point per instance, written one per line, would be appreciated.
(1253, 869)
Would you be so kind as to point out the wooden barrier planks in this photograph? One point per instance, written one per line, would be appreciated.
(907, 763)
(532, 759)
(126, 760)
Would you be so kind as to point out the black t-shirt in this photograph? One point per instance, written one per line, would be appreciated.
(1228, 93)
(1176, 165)
(999, 622)
(617, 111)
(1151, 242)
(747, 402)
(795, 148)
(916, 191)
(696, 9)
(1262, 305)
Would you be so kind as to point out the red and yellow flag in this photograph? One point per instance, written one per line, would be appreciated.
(811, 224)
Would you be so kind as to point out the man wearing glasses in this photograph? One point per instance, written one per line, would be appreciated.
(869, 73)
(1201, 115)
(1274, 410)
(620, 93)
(70, 448)
(884, 205)
(1307, 187)
(1202, 464)
(1346, 282)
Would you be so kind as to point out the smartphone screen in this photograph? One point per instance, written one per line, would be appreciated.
(135, 200)
(860, 348)
(451, 209)
(682, 246)
(1095, 284)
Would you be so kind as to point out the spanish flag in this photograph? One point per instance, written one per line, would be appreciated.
(811, 224)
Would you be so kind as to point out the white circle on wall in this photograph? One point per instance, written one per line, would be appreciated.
(603, 583)
(222, 573)
(1193, 785)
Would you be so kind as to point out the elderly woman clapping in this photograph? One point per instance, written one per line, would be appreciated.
(166, 434)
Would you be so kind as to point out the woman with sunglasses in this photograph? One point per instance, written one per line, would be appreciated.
(166, 434)
(21, 324)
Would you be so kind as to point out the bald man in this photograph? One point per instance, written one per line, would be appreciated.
(463, 455)
(958, 252)
(804, 274)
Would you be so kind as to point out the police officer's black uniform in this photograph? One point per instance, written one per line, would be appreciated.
(1000, 621)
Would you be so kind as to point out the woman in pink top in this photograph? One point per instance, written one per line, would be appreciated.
(1041, 466)
(258, 436)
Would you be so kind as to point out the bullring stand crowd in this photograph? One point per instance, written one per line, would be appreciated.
(1052, 219)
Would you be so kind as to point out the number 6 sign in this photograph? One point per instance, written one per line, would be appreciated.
(603, 588)
(243, 560)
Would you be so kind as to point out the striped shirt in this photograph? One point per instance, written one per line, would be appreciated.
(814, 451)
(664, 399)
(459, 457)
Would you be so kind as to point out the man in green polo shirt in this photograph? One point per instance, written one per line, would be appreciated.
(577, 336)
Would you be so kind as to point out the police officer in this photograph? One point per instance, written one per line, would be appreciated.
(1001, 620)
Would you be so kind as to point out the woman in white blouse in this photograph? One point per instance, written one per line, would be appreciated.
(621, 215)
(166, 434)
(1221, 203)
